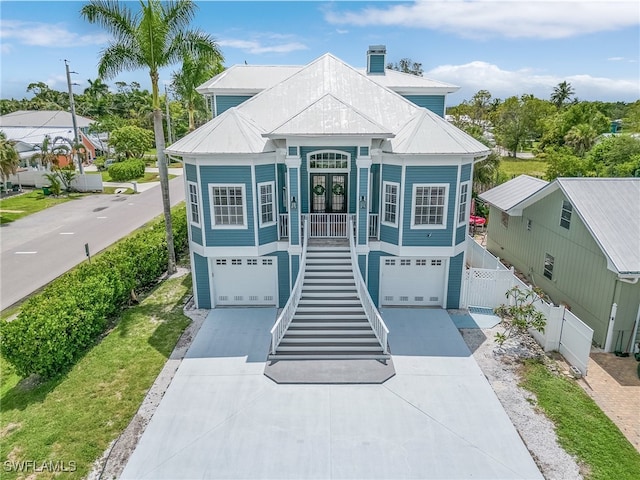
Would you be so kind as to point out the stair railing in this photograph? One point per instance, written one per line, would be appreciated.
(284, 319)
(373, 315)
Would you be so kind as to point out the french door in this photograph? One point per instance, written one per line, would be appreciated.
(328, 193)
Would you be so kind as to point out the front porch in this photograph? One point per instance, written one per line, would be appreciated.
(328, 225)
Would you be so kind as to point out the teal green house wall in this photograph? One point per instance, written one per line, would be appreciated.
(581, 280)
(225, 102)
(435, 103)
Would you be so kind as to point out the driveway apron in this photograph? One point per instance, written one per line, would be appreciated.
(437, 418)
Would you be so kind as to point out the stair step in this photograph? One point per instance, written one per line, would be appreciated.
(329, 356)
(324, 340)
(328, 324)
(333, 294)
(329, 346)
(330, 301)
(333, 330)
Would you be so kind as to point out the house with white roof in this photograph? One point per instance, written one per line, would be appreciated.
(329, 191)
(31, 127)
(578, 239)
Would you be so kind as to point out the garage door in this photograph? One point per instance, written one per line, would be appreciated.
(412, 281)
(245, 281)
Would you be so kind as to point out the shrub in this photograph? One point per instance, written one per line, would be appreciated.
(56, 326)
(127, 170)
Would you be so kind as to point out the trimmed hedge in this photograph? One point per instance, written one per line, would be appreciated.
(127, 170)
(55, 327)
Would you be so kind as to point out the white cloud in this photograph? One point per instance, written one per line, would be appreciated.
(256, 47)
(57, 82)
(501, 18)
(615, 59)
(6, 48)
(478, 75)
(46, 35)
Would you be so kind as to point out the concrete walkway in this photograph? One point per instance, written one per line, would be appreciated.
(436, 418)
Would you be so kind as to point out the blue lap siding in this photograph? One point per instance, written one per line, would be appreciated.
(455, 281)
(224, 237)
(225, 102)
(435, 103)
(201, 277)
(268, 234)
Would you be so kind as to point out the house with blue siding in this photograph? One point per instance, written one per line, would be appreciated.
(340, 160)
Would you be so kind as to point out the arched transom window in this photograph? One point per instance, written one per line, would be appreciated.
(329, 161)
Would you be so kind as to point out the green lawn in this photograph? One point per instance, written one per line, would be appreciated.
(74, 417)
(148, 177)
(583, 429)
(512, 167)
(19, 206)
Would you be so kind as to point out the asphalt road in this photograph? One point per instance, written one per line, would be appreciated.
(42, 246)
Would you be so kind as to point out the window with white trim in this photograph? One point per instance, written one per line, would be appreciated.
(194, 203)
(565, 214)
(548, 266)
(390, 203)
(266, 203)
(228, 206)
(329, 160)
(429, 206)
(463, 202)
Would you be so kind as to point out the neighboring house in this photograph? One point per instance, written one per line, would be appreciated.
(578, 239)
(32, 127)
(326, 143)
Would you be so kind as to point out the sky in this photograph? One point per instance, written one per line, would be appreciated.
(508, 47)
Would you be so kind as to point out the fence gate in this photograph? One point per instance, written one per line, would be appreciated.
(575, 341)
(484, 287)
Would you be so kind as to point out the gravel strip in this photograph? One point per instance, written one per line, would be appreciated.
(500, 367)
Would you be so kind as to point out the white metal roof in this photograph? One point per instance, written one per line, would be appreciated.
(428, 133)
(42, 119)
(247, 79)
(330, 116)
(231, 132)
(327, 97)
(35, 136)
(509, 194)
(609, 209)
(251, 79)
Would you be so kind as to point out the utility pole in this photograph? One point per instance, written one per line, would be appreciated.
(73, 118)
(166, 100)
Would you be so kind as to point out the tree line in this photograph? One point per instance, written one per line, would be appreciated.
(574, 138)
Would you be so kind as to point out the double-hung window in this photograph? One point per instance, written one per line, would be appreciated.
(548, 266)
(390, 203)
(429, 206)
(228, 205)
(194, 203)
(267, 203)
(463, 202)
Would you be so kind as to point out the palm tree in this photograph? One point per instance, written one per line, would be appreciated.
(581, 138)
(194, 72)
(9, 158)
(156, 36)
(562, 93)
(50, 150)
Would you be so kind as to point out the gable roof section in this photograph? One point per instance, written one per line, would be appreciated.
(428, 133)
(42, 119)
(609, 209)
(510, 194)
(329, 116)
(231, 132)
(408, 84)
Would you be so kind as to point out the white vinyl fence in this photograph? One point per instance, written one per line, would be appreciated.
(37, 179)
(485, 284)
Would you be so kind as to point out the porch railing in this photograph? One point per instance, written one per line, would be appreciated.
(374, 226)
(327, 225)
(373, 315)
(289, 310)
(283, 226)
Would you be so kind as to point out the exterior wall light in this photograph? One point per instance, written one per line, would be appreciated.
(294, 204)
(363, 202)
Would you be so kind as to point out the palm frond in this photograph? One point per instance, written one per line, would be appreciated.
(112, 16)
(118, 57)
(178, 15)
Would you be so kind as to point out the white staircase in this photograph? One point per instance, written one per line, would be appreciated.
(329, 322)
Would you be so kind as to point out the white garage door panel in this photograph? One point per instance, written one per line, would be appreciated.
(245, 281)
(412, 281)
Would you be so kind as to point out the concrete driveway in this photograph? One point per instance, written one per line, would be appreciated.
(437, 418)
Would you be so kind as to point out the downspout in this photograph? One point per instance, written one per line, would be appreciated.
(612, 318)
